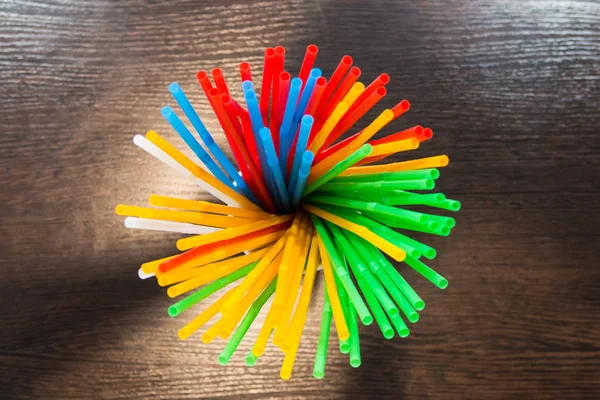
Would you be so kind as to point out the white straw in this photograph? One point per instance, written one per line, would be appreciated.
(167, 226)
(144, 275)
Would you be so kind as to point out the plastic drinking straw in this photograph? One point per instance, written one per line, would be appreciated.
(251, 359)
(249, 227)
(381, 186)
(343, 275)
(450, 205)
(191, 217)
(206, 137)
(338, 168)
(152, 266)
(267, 141)
(200, 256)
(245, 74)
(400, 326)
(142, 275)
(379, 122)
(253, 110)
(286, 123)
(252, 277)
(263, 336)
(429, 274)
(365, 250)
(294, 277)
(220, 83)
(410, 133)
(350, 118)
(308, 62)
(354, 339)
(229, 322)
(204, 81)
(219, 187)
(431, 227)
(395, 147)
(307, 287)
(235, 111)
(387, 247)
(448, 221)
(325, 129)
(207, 207)
(303, 172)
(300, 148)
(412, 247)
(431, 173)
(214, 271)
(278, 107)
(420, 163)
(204, 317)
(379, 82)
(159, 154)
(344, 301)
(167, 226)
(321, 356)
(360, 270)
(337, 76)
(265, 90)
(235, 340)
(289, 248)
(398, 280)
(332, 292)
(316, 95)
(340, 92)
(194, 298)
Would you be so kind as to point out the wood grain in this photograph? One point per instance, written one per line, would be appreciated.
(511, 89)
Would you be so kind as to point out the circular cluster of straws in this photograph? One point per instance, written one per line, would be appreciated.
(298, 200)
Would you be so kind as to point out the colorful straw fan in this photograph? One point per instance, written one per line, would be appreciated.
(294, 199)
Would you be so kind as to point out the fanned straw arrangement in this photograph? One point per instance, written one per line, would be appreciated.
(298, 199)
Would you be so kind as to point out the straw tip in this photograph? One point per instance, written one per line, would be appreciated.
(316, 72)
(318, 374)
(308, 120)
(405, 105)
(174, 87)
(296, 83)
(166, 111)
(247, 86)
(201, 75)
(312, 48)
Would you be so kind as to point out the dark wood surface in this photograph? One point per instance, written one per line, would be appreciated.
(511, 89)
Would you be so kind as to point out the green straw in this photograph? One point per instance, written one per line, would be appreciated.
(366, 250)
(380, 186)
(448, 221)
(382, 321)
(241, 330)
(354, 338)
(321, 356)
(340, 167)
(187, 302)
(343, 275)
(360, 270)
(251, 359)
(450, 205)
(412, 247)
(431, 173)
(404, 198)
(431, 227)
(412, 296)
(345, 303)
(432, 276)
(400, 326)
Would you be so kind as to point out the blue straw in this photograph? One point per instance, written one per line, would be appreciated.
(315, 73)
(187, 137)
(256, 120)
(208, 140)
(305, 127)
(269, 148)
(286, 123)
(303, 172)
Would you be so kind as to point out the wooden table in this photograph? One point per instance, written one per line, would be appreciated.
(511, 89)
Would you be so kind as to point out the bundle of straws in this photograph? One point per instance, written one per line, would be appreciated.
(298, 200)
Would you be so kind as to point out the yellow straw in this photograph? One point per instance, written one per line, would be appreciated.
(322, 167)
(207, 207)
(204, 316)
(213, 271)
(331, 122)
(387, 247)
(353, 94)
(288, 252)
(421, 163)
(186, 270)
(188, 164)
(232, 319)
(393, 147)
(263, 336)
(253, 276)
(307, 287)
(152, 266)
(190, 217)
(336, 307)
(201, 240)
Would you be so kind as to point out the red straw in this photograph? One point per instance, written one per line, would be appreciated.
(380, 81)
(234, 111)
(427, 134)
(414, 132)
(277, 70)
(204, 82)
(265, 90)
(349, 119)
(245, 72)
(220, 80)
(335, 79)
(309, 60)
(400, 108)
(200, 251)
(278, 108)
